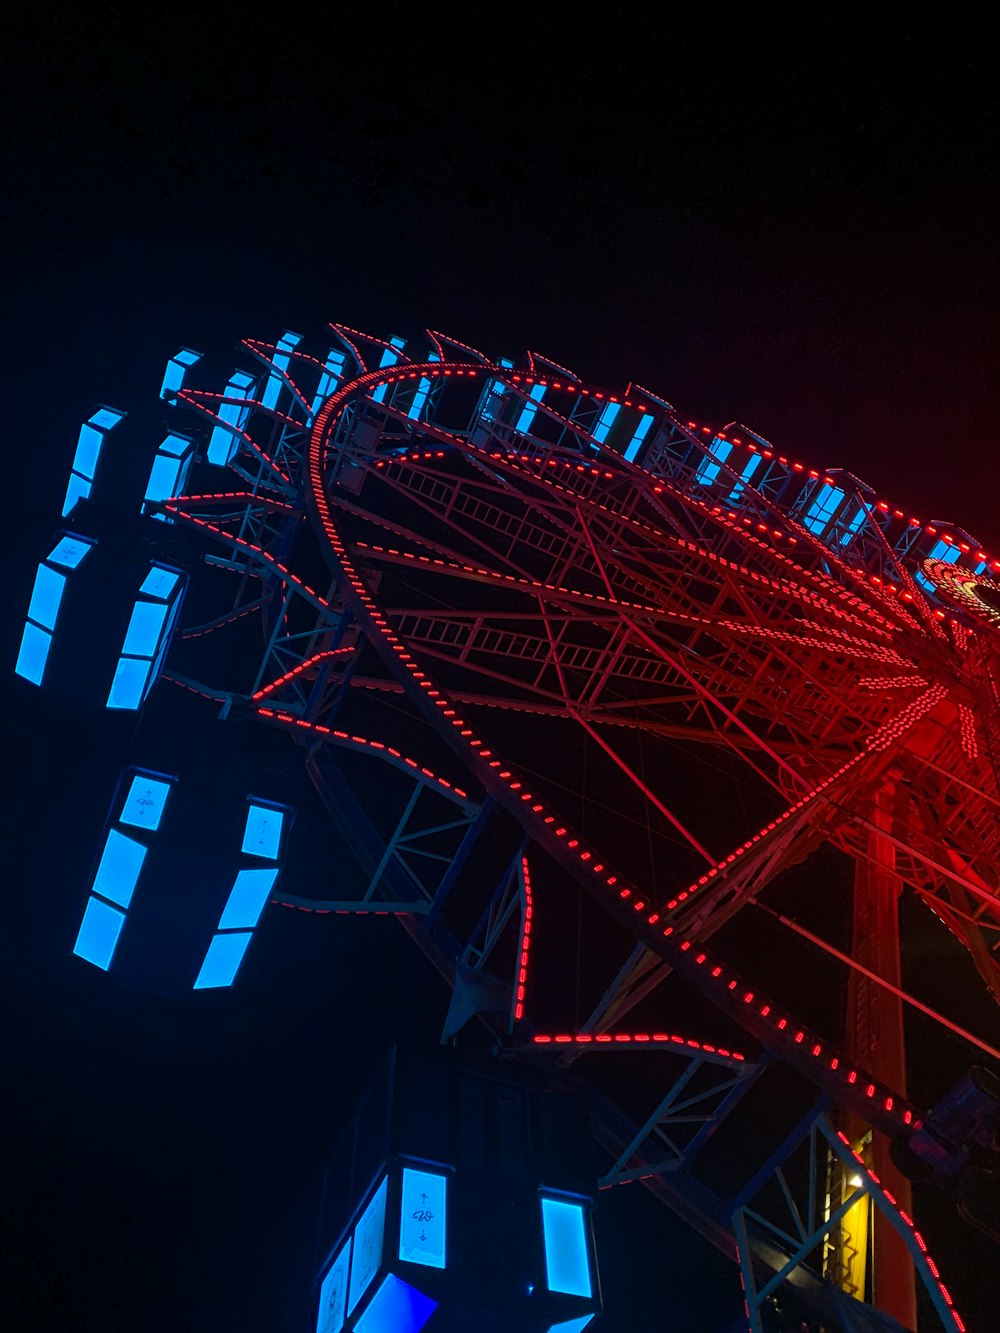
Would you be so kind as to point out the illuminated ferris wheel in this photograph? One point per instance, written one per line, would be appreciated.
(532, 638)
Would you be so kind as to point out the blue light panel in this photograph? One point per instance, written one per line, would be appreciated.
(163, 478)
(389, 358)
(175, 445)
(78, 489)
(859, 517)
(144, 626)
(749, 468)
(223, 443)
(567, 1263)
(528, 412)
(945, 551)
(423, 1218)
(177, 367)
(369, 1236)
(573, 1325)
(606, 421)
(118, 870)
(333, 1294)
(707, 470)
(396, 1308)
(33, 653)
(45, 597)
(159, 582)
(329, 379)
(247, 899)
(69, 551)
(105, 418)
(825, 502)
(262, 834)
(635, 444)
(280, 361)
(99, 931)
(129, 683)
(88, 450)
(423, 390)
(941, 550)
(144, 803)
(222, 960)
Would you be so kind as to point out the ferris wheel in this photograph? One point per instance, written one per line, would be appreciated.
(586, 644)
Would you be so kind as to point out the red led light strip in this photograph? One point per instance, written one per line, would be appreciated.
(399, 760)
(243, 545)
(879, 740)
(298, 670)
(908, 1223)
(522, 966)
(603, 1040)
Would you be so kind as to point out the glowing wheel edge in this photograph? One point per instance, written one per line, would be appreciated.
(777, 1031)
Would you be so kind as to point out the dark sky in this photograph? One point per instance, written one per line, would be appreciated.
(786, 225)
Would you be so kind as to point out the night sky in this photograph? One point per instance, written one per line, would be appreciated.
(790, 227)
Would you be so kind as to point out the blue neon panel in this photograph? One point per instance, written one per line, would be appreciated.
(946, 551)
(247, 899)
(45, 596)
(641, 431)
(173, 378)
(707, 470)
(329, 379)
(333, 1294)
(419, 398)
(369, 1236)
(423, 1218)
(262, 834)
(280, 361)
(528, 413)
(105, 418)
(176, 369)
(159, 582)
(749, 468)
(573, 1325)
(88, 449)
(567, 1263)
(606, 421)
(144, 803)
(176, 446)
(129, 683)
(32, 655)
(118, 870)
(825, 501)
(389, 358)
(396, 1308)
(854, 524)
(144, 626)
(99, 931)
(78, 489)
(69, 551)
(162, 478)
(222, 961)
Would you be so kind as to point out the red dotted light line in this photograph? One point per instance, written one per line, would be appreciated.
(616, 1039)
(220, 624)
(908, 1222)
(402, 761)
(522, 967)
(880, 739)
(968, 725)
(297, 671)
(242, 544)
(889, 682)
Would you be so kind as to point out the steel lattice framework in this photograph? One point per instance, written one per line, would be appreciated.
(468, 574)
